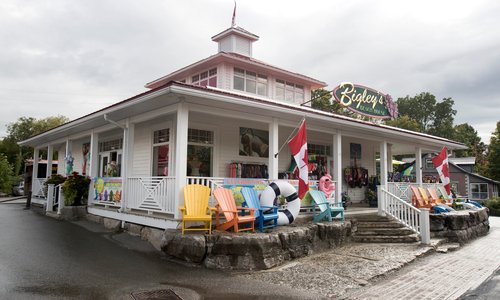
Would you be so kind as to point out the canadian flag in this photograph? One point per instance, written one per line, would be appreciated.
(441, 164)
(298, 146)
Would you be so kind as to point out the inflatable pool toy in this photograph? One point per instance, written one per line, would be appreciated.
(326, 185)
(285, 189)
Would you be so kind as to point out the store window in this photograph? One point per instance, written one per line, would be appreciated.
(161, 151)
(200, 152)
(428, 164)
(250, 82)
(205, 78)
(289, 91)
(319, 149)
(110, 158)
(479, 190)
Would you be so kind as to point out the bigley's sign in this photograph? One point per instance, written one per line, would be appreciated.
(365, 101)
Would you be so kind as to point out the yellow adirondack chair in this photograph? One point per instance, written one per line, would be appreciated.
(428, 203)
(434, 196)
(227, 206)
(196, 207)
(417, 199)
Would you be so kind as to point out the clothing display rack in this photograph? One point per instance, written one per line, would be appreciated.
(247, 170)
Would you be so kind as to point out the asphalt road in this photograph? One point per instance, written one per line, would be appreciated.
(488, 290)
(43, 258)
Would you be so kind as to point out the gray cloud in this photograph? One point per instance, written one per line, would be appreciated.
(74, 57)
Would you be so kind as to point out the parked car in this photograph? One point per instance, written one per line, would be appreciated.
(18, 190)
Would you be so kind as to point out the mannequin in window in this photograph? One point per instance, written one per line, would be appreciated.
(194, 164)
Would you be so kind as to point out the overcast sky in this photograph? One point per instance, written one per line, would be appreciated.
(72, 57)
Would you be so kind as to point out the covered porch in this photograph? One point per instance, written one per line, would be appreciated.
(141, 152)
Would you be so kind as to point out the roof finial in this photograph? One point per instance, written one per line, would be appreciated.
(233, 21)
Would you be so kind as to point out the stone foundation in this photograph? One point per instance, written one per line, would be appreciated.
(72, 213)
(255, 251)
(460, 226)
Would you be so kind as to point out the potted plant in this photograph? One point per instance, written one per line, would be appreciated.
(371, 197)
(76, 189)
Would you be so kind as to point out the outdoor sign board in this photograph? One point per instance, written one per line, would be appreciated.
(365, 101)
(107, 189)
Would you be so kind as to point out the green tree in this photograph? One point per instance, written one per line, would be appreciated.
(420, 108)
(494, 155)
(444, 115)
(432, 117)
(22, 129)
(26, 127)
(467, 135)
(404, 122)
(6, 175)
(322, 100)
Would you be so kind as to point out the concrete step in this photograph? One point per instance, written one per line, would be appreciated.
(391, 224)
(448, 247)
(384, 231)
(413, 238)
(372, 218)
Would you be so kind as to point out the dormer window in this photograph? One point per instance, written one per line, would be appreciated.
(205, 78)
(250, 82)
(289, 91)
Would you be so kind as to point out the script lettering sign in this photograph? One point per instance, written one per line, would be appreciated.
(366, 101)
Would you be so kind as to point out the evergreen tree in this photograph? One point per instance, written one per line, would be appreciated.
(6, 177)
(494, 155)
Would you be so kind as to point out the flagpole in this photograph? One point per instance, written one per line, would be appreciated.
(288, 138)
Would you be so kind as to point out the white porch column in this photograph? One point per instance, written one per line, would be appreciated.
(337, 166)
(273, 149)
(94, 155)
(181, 154)
(418, 165)
(390, 166)
(383, 178)
(425, 227)
(50, 154)
(69, 150)
(36, 160)
(383, 164)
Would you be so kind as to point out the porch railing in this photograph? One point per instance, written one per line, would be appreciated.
(412, 217)
(55, 198)
(153, 194)
(211, 182)
(38, 188)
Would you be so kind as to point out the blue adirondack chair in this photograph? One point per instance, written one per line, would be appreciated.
(326, 210)
(265, 216)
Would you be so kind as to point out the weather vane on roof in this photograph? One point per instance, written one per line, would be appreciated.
(233, 21)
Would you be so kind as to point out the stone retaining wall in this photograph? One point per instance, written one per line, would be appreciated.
(255, 251)
(460, 226)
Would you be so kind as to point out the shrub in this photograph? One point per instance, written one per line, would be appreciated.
(6, 175)
(76, 189)
(494, 206)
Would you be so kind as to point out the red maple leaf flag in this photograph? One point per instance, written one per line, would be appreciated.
(298, 146)
(441, 164)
